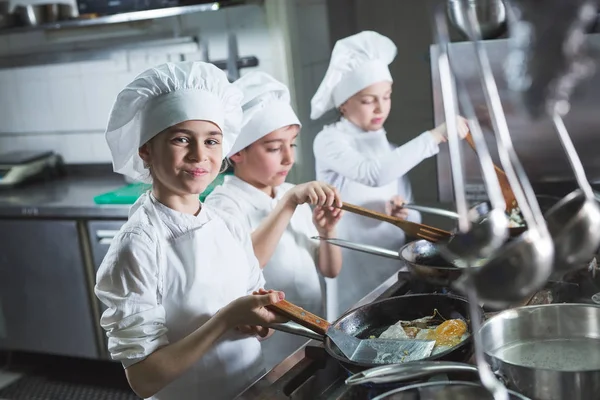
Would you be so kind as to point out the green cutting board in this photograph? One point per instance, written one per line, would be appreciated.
(128, 194)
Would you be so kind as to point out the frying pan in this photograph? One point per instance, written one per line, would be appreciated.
(421, 257)
(376, 317)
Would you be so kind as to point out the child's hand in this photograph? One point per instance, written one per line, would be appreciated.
(395, 208)
(325, 219)
(254, 330)
(257, 330)
(250, 310)
(314, 193)
(440, 133)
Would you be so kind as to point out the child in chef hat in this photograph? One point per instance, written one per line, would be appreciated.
(355, 155)
(181, 276)
(277, 212)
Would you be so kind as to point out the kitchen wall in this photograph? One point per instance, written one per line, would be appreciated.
(310, 48)
(64, 107)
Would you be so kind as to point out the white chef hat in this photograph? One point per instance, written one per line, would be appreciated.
(357, 62)
(167, 95)
(266, 107)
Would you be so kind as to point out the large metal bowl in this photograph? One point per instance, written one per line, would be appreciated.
(7, 19)
(491, 15)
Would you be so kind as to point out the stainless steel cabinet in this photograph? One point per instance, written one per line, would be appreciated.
(101, 234)
(45, 298)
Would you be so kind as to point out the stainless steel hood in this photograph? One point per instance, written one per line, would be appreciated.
(536, 141)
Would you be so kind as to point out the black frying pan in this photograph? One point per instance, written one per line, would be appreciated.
(376, 317)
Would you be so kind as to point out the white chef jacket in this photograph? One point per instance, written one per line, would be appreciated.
(368, 171)
(293, 266)
(165, 274)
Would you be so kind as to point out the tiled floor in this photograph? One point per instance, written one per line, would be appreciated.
(44, 376)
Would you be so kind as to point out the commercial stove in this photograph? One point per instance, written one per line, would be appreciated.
(310, 373)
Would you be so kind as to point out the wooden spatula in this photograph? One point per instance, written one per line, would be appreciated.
(410, 228)
(507, 193)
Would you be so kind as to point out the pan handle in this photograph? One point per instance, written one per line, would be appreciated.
(408, 372)
(296, 329)
(365, 248)
(431, 210)
(300, 315)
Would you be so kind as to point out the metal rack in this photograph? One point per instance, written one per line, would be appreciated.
(118, 18)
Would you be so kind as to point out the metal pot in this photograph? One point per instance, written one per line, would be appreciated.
(435, 389)
(547, 352)
(450, 390)
(491, 15)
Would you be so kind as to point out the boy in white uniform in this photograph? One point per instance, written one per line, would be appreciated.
(180, 280)
(282, 226)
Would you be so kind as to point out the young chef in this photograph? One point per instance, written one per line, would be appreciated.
(180, 276)
(355, 156)
(277, 212)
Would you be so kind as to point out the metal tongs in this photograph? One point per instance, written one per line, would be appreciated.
(523, 265)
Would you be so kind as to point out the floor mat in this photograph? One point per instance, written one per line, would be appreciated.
(45, 388)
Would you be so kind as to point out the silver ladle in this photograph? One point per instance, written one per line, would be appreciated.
(477, 240)
(574, 222)
(524, 264)
(480, 237)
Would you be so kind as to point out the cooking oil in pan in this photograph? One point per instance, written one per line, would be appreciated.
(578, 354)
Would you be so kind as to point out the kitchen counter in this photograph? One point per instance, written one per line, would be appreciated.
(70, 196)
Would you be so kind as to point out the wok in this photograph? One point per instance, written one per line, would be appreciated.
(375, 318)
(421, 257)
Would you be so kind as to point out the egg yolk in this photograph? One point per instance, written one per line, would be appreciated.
(449, 333)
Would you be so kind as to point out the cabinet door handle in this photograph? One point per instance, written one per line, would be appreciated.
(105, 236)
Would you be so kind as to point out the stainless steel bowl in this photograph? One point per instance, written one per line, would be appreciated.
(491, 15)
(6, 17)
(40, 14)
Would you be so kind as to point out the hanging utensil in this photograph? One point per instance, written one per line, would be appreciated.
(410, 228)
(481, 238)
(507, 193)
(574, 222)
(355, 349)
(524, 264)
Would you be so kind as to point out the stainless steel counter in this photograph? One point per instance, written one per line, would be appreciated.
(69, 197)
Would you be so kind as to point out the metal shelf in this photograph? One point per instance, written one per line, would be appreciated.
(120, 18)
